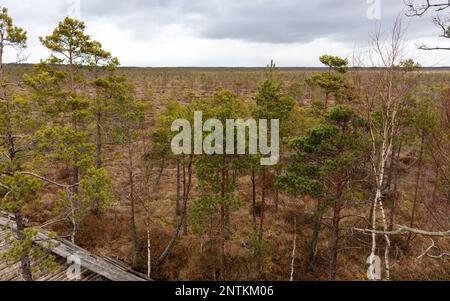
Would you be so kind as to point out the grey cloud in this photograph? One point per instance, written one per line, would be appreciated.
(250, 22)
(267, 21)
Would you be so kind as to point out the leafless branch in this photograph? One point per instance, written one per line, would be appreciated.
(55, 221)
(427, 250)
(419, 9)
(425, 47)
(47, 180)
(4, 186)
(404, 229)
(439, 256)
(433, 246)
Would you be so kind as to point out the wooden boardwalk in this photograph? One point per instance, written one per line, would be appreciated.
(92, 267)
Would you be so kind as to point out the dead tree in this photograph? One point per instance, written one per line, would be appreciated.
(419, 8)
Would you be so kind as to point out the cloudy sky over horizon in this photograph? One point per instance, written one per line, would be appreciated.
(226, 32)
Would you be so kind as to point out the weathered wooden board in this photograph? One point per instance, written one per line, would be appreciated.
(107, 268)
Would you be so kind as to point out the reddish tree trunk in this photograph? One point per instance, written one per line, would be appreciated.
(416, 192)
(263, 204)
(222, 230)
(175, 237)
(254, 199)
(98, 159)
(394, 192)
(25, 262)
(315, 236)
(185, 192)
(134, 239)
(335, 235)
(178, 205)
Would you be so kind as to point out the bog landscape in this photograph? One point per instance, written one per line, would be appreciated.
(338, 172)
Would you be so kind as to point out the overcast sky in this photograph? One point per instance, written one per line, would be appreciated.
(226, 32)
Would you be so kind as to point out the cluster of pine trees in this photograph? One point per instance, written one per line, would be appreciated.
(340, 151)
(57, 120)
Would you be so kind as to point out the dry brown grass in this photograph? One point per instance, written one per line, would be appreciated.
(195, 258)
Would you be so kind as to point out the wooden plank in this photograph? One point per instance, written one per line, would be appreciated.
(93, 263)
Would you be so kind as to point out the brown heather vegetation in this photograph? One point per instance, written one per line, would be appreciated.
(364, 165)
(192, 257)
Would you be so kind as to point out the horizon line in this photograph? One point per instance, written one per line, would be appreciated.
(234, 67)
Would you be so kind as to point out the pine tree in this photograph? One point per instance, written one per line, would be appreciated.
(19, 183)
(100, 61)
(272, 103)
(59, 88)
(218, 173)
(162, 152)
(126, 127)
(10, 36)
(332, 82)
(326, 164)
(16, 190)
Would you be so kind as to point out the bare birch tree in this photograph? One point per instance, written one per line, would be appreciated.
(382, 107)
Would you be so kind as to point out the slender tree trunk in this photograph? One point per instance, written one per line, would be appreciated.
(12, 148)
(98, 156)
(1, 57)
(263, 204)
(394, 192)
(379, 170)
(254, 218)
(254, 199)
(185, 219)
(315, 236)
(372, 211)
(74, 201)
(294, 250)
(175, 237)
(25, 262)
(227, 220)
(227, 225)
(277, 192)
(416, 191)
(262, 213)
(436, 185)
(335, 235)
(222, 228)
(75, 180)
(98, 142)
(134, 239)
(149, 252)
(71, 73)
(160, 173)
(222, 243)
(178, 205)
(448, 196)
(390, 173)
